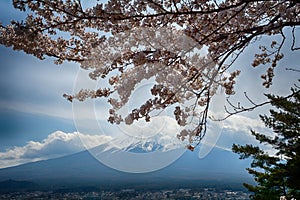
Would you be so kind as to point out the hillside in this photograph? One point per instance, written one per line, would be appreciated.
(220, 167)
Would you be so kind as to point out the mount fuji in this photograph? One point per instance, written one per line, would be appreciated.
(219, 167)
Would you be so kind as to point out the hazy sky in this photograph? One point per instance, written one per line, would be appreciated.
(37, 122)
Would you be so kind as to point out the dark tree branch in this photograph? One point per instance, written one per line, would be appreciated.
(240, 109)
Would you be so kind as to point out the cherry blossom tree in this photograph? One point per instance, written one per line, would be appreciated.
(95, 38)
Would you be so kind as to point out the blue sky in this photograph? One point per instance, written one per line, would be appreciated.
(37, 122)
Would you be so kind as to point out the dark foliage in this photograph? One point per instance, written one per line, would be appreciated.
(279, 174)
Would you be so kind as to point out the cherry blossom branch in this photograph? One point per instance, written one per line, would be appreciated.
(293, 48)
(291, 69)
(240, 109)
(225, 28)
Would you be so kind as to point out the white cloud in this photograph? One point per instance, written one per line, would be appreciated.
(59, 144)
(55, 145)
(162, 131)
(237, 123)
(237, 130)
(234, 130)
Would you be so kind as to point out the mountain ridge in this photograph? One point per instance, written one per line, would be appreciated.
(82, 168)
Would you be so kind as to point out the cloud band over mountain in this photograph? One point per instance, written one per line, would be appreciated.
(57, 144)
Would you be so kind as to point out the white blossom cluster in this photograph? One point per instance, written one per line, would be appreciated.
(182, 74)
